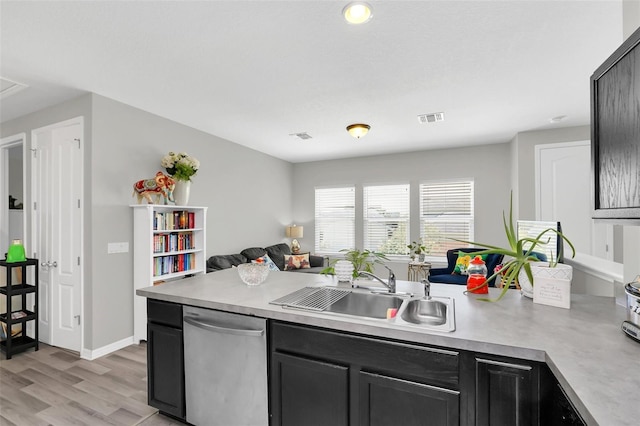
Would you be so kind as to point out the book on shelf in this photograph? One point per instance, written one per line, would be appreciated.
(164, 265)
(164, 243)
(18, 314)
(174, 220)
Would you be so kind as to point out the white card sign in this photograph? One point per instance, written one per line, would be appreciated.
(552, 292)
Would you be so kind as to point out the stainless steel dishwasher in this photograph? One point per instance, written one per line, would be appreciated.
(225, 362)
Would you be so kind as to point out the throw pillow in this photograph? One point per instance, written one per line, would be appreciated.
(462, 263)
(266, 260)
(296, 261)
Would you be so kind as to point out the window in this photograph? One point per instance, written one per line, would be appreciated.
(335, 219)
(446, 211)
(386, 218)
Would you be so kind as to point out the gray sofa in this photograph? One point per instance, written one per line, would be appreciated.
(276, 252)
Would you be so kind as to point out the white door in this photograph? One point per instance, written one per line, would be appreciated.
(563, 193)
(57, 230)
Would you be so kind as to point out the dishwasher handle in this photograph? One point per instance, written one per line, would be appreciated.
(198, 322)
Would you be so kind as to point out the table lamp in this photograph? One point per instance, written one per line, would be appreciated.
(295, 232)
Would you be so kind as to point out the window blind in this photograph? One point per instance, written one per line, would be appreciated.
(334, 219)
(446, 212)
(386, 218)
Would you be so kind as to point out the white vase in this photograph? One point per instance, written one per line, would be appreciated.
(181, 192)
(344, 270)
(542, 269)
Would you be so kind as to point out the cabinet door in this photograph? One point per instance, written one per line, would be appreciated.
(389, 401)
(166, 369)
(308, 392)
(506, 393)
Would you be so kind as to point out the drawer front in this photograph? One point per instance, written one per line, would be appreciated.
(165, 313)
(403, 360)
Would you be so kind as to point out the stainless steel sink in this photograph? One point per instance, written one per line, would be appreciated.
(365, 305)
(435, 313)
(425, 311)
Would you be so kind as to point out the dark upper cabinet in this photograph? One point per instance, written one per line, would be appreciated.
(165, 358)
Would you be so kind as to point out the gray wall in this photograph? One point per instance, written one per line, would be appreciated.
(248, 194)
(488, 166)
(15, 173)
(523, 146)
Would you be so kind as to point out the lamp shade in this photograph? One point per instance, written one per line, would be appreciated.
(294, 231)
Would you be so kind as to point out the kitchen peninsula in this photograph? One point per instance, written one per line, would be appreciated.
(584, 348)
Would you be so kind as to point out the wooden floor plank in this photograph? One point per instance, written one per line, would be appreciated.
(103, 380)
(9, 378)
(72, 393)
(18, 398)
(54, 386)
(130, 404)
(19, 415)
(44, 394)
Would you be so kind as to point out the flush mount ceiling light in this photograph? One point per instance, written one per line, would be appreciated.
(357, 12)
(358, 130)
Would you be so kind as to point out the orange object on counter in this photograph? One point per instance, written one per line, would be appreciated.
(477, 280)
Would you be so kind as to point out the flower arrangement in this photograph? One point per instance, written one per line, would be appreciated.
(180, 166)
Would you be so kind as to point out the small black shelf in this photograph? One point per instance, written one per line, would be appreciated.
(30, 315)
(19, 289)
(18, 343)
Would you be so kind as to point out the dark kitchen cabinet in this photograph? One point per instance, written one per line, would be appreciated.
(309, 392)
(387, 400)
(507, 392)
(165, 358)
(557, 409)
(322, 377)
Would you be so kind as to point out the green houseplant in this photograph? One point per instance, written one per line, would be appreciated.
(363, 260)
(417, 248)
(518, 255)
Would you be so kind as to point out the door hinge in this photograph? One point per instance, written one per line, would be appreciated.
(35, 152)
(77, 140)
(35, 205)
(78, 260)
(78, 202)
(78, 317)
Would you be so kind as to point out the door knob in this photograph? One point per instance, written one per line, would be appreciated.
(49, 264)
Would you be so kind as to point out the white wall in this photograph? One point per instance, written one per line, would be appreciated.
(248, 194)
(488, 166)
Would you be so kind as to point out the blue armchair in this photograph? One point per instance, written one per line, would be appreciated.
(446, 276)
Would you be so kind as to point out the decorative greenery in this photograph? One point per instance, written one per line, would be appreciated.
(362, 261)
(520, 258)
(418, 247)
(180, 166)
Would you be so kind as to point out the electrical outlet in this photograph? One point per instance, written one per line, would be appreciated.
(118, 248)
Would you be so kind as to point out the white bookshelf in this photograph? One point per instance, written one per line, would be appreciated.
(164, 250)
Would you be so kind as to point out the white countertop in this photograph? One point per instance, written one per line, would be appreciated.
(597, 365)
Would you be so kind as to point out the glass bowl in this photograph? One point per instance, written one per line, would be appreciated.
(253, 273)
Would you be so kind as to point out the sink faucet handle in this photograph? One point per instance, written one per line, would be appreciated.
(427, 288)
(392, 279)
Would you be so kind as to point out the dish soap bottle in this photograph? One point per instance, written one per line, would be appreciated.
(477, 279)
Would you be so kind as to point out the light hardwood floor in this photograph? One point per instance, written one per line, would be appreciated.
(56, 387)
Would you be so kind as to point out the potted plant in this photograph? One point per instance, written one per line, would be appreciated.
(181, 166)
(520, 255)
(362, 260)
(417, 248)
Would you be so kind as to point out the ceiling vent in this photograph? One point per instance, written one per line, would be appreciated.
(8, 87)
(303, 135)
(431, 118)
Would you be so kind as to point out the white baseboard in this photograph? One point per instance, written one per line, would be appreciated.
(105, 350)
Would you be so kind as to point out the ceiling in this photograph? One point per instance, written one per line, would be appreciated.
(256, 72)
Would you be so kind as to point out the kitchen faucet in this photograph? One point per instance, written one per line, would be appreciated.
(427, 288)
(391, 282)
